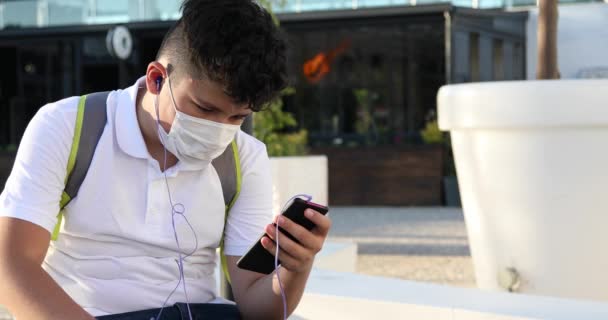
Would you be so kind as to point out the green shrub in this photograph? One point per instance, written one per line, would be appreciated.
(270, 126)
(431, 133)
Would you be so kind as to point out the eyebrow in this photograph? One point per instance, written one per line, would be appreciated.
(212, 106)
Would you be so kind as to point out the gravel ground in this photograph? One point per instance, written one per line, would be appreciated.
(421, 244)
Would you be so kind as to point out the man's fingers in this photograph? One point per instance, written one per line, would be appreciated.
(305, 237)
(294, 249)
(287, 260)
(322, 222)
(299, 252)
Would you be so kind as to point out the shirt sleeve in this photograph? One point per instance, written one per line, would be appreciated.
(252, 210)
(34, 187)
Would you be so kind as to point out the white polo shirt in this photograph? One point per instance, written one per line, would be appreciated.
(116, 251)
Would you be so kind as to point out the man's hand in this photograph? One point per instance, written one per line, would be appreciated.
(294, 256)
(259, 296)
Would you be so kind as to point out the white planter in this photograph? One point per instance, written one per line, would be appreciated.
(532, 163)
(298, 175)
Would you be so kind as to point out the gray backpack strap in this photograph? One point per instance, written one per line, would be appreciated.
(228, 169)
(93, 123)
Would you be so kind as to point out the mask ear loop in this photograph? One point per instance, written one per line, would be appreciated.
(172, 97)
(276, 253)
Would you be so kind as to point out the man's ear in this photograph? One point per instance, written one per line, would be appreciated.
(155, 77)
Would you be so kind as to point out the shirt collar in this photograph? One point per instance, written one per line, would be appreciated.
(128, 133)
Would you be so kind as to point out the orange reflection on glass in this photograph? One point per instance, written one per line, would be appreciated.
(316, 68)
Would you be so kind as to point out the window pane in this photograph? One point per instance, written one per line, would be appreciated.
(366, 85)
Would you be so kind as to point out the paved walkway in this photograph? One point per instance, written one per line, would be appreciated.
(422, 244)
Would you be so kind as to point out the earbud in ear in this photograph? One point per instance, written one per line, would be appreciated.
(159, 81)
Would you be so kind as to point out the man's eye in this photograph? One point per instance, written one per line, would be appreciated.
(205, 109)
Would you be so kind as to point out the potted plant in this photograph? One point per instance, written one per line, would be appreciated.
(293, 171)
(531, 159)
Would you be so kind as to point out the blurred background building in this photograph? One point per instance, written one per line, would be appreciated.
(366, 74)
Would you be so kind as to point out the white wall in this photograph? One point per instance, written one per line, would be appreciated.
(299, 175)
(582, 39)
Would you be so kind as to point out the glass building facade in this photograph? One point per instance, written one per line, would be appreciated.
(377, 83)
(365, 74)
(44, 13)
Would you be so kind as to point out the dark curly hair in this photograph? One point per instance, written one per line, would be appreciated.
(233, 42)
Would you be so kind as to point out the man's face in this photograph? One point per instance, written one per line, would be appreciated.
(202, 99)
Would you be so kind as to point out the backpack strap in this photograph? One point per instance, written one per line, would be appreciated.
(91, 120)
(228, 167)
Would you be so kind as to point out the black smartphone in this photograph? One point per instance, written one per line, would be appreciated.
(257, 258)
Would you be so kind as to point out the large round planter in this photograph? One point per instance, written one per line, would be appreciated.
(532, 164)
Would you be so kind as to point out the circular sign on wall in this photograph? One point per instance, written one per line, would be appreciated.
(119, 42)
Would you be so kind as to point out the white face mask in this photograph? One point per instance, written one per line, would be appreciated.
(192, 140)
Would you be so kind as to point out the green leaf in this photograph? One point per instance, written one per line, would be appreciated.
(270, 124)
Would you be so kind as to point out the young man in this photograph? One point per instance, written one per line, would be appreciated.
(143, 231)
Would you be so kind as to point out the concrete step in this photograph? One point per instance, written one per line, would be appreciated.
(341, 295)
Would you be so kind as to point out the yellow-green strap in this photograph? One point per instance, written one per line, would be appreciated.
(239, 178)
(239, 181)
(65, 198)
